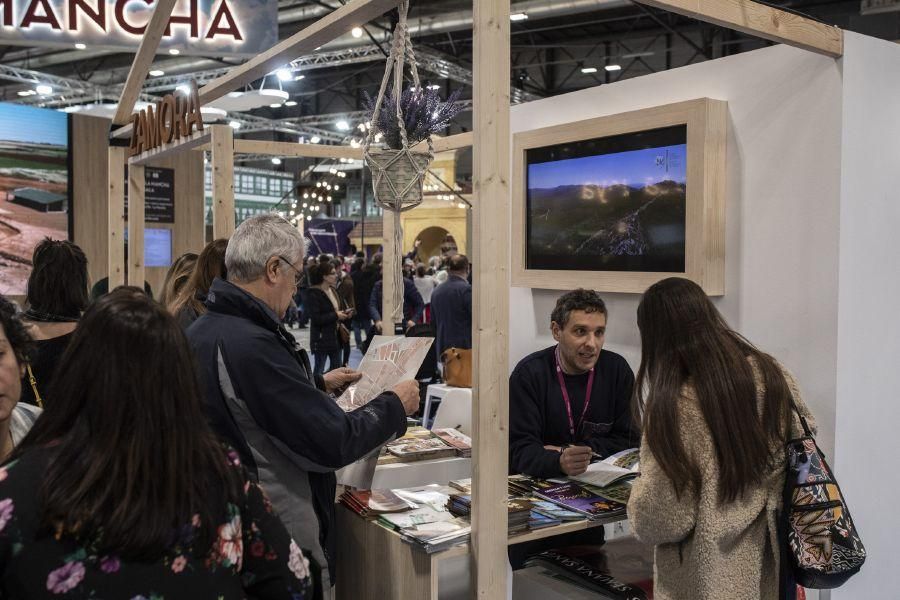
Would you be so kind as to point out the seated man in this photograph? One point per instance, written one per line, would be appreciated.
(263, 398)
(573, 400)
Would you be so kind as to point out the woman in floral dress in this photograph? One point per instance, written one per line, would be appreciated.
(120, 491)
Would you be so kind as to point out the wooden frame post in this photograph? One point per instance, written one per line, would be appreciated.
(116, 217)
(389, 263)
(136, 185)
(222, 160)
(490, 297)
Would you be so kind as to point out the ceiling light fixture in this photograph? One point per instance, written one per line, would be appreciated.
(315, 139)
(80, 46)
(519, 16)
(277, 161)
(356, 32)
(613, 67)
(588, 70)
(174, 51)
(274, 106)
(291, 103)
(299, 77)
(44, 89)
(342, 125)
(234, 125)
(157, 73)
(284, 74)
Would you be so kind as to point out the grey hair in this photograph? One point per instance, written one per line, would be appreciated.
(258, 239)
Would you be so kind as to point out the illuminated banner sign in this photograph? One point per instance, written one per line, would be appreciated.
(196, 26)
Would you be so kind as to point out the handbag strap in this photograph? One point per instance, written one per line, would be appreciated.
(806, 430)
(33, 381)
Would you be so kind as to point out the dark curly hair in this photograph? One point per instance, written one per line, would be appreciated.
(581, 299)
(15, 331)
(58, 284)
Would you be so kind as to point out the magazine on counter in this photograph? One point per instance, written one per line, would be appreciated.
(612, 469)
(576, 498)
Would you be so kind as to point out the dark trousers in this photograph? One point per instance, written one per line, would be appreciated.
(333, 357)
(360, 325)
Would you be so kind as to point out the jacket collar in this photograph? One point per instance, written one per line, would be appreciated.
(226, 298)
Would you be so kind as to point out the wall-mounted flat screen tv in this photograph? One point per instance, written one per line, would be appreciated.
(157, 247)
(34, 188)
(615, 203)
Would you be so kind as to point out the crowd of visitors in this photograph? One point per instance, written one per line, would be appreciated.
(189, 449)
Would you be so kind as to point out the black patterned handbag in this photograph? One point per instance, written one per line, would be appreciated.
(823, 547)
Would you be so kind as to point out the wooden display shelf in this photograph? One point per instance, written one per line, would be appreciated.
(374, 562)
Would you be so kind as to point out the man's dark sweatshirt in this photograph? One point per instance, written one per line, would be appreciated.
(538, 416)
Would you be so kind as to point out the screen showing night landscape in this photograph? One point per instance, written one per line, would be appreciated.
(609, 204)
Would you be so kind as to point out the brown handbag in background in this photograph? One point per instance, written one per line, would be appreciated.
(457, 367)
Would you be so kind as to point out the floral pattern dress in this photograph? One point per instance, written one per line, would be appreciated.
(253, 555)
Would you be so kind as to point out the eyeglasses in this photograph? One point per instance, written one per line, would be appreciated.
(298, 272)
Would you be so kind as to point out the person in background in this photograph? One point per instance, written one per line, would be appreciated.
(326, 314)
(348, 303)
(413, 306)
(57, 294)
(16, 418)
(361, 322)
(188, 304)
(717, 412)
(262, 397)
(177, 277)
(300, 297)
(451, 307)
(121, 490)
(425, 285)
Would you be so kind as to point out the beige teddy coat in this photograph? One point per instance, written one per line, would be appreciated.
(703, 550)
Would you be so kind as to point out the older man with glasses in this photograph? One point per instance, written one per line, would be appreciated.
(263, 398)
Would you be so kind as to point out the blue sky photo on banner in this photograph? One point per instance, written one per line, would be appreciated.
(239, 27)
(34, 185)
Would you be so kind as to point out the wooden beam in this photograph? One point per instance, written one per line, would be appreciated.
(116, 218)
(136, 185)
(761, 21)
(222, 151)
(490, 297)
(143, 59)
(342, 20)
(291, 149)
(196, 139)
(390, 265)
(451, 142)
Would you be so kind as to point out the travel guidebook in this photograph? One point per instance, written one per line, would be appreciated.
(576, 498)
(612, 469)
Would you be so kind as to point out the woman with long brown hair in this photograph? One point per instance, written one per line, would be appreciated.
(177, 277)
(717, 412)
(121, 490)
(188, 304)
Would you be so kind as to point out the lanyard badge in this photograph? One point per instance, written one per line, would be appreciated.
(565, 394)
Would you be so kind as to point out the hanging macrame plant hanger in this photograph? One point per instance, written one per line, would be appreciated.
(398, 175)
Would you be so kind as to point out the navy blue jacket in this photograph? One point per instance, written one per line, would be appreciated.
(262, 399)
(451, 313)
(413, 305)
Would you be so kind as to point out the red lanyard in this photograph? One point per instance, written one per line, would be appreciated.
(565, 394)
